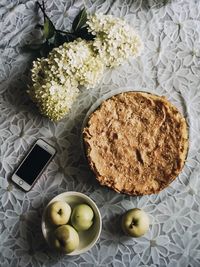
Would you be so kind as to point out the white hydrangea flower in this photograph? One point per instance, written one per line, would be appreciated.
(55, 100)
(115, 40)
(91, 72)
(56, 78)
(78, 60)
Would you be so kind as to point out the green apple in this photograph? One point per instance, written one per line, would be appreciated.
(82, 217)
(135, 222)
(59, 212)
(65, 239)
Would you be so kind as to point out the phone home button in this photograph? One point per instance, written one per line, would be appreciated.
(20, 182)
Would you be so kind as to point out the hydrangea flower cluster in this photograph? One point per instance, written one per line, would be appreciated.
(55, 79)
(115, 40)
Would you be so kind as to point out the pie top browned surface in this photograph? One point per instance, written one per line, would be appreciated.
(136, 143)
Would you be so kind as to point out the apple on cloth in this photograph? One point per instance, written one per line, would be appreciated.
(65, 239)
(135, 222)
(82, 217)
(59, 213)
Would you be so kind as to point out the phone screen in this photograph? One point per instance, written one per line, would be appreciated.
(33, 164)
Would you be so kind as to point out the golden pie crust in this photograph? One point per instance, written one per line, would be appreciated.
(136, 143)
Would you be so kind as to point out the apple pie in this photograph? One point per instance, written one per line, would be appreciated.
(136, 143)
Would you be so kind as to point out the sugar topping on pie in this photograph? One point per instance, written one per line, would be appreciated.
(136, 143)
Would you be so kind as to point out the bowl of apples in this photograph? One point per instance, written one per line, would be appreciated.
(71, 223)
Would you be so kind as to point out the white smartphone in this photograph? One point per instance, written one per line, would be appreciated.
(33, 164)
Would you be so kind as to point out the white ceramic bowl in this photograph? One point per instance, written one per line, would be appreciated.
(87, 238)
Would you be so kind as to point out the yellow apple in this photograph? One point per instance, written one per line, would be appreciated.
(135, 222)
(82, 217)
(59, 212)
(65, 239)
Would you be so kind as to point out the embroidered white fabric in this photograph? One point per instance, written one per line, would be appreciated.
(170, 66)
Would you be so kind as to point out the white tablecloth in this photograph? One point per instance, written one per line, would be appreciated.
(170, 66)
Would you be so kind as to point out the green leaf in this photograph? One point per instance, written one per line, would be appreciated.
(85, 34)
(79, 20)
(49, 28)
(60, 38)
(45, 49)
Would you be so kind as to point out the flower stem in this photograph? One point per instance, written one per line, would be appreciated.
(42, 7)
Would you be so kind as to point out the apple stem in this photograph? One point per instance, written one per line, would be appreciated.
(62, 243)
(133, 223)
(60, 211)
